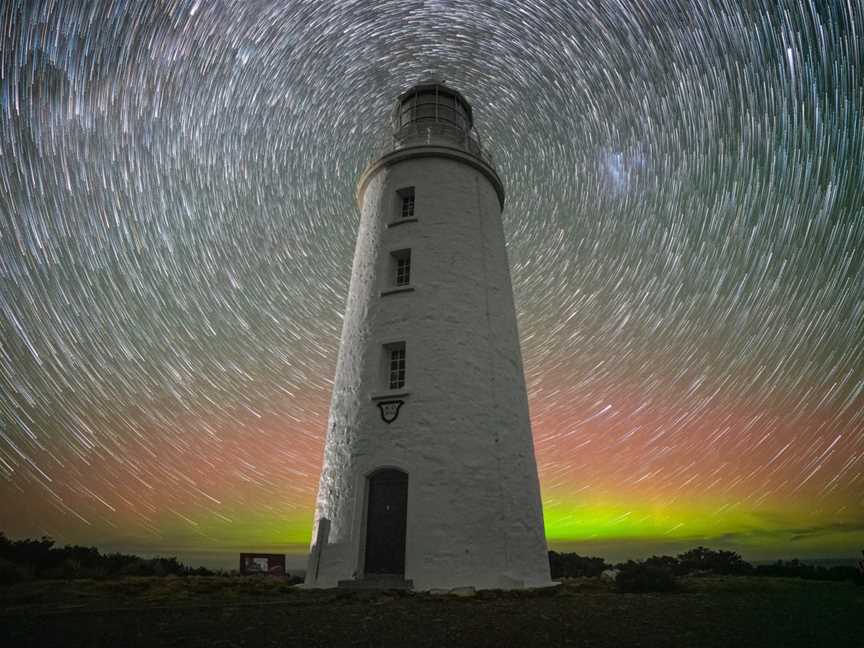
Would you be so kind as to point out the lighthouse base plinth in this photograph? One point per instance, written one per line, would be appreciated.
(378, 582)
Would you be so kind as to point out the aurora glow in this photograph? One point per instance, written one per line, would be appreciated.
(685, 222)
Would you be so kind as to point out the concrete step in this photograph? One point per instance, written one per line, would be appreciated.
(378, 582)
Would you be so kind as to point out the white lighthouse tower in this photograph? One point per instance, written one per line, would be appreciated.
(429, 477)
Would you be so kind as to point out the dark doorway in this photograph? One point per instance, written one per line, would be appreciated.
(385, 522)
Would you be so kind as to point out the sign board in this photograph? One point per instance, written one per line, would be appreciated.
(255, 563)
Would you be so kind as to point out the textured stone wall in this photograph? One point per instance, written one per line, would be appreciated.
(463, 434)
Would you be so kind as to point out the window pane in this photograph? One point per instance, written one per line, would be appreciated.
(403, 271)
(408, 206)
(397, 368)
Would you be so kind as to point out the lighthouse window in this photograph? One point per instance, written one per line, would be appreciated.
(406, 202)
(402, 267)
(396, 365)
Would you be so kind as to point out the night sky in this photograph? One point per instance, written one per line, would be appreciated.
(684, 220)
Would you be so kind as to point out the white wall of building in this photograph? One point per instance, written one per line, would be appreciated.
(463, 434)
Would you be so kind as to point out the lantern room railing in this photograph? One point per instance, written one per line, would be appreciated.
(422, 132)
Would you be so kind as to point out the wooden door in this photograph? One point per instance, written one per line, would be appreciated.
(386, 517)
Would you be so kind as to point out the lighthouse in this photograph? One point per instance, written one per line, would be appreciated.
(429, 478)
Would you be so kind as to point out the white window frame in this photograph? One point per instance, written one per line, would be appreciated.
(407, 203)
(395, 365)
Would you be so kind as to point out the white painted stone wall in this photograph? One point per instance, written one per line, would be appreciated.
(463, 434)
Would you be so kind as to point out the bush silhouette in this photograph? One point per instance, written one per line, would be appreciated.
(718, 562)
(644, 577)
(571, 565)
(11, 573)
(796, 569)
(27, 559)
(665, 562)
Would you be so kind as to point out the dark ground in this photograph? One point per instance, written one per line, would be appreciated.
(225, 611)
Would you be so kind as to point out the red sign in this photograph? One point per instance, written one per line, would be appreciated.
(254, 563)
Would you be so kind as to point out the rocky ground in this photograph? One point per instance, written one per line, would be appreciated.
(225, 612)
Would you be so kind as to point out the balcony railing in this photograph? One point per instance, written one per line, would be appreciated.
(431, 132)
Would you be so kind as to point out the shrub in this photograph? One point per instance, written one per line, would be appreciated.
(137, 567)
(718, 562)
(571, 565)
(796, 569)
(71, 568)
(27, 559)
(665, 562)
(643, 577)
(10, 573)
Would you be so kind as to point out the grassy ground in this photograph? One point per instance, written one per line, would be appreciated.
(225, 612)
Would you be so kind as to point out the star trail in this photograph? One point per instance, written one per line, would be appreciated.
(684, 219)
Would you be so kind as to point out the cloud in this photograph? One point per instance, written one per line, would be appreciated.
(808, 533)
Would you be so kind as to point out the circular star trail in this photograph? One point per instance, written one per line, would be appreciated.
(685, 225)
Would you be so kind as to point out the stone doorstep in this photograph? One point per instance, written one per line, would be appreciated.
(378, 582)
